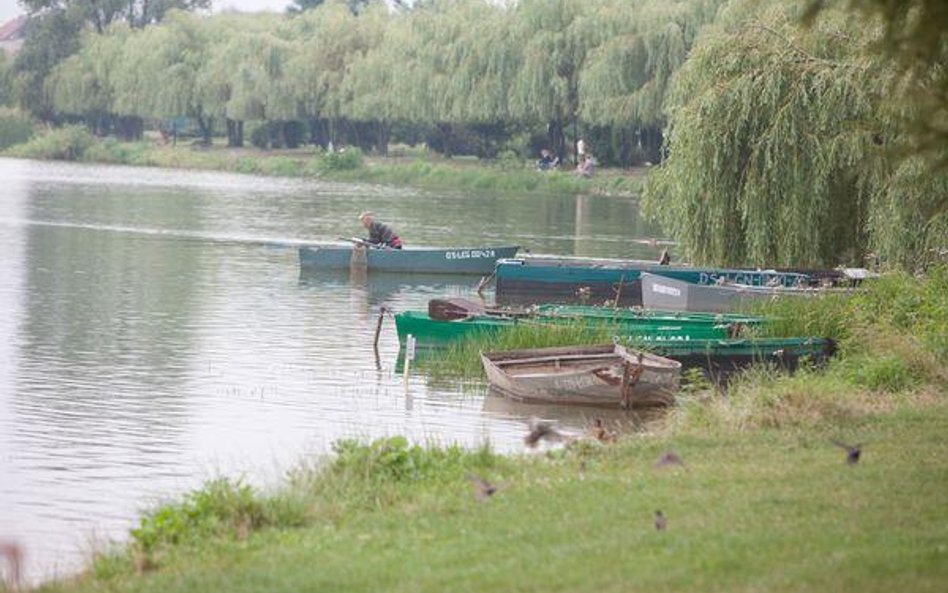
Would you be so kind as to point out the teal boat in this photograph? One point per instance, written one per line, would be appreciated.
(462, 260)
(578, 280)
(638, 324)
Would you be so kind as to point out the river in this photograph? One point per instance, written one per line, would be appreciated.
(156, 332)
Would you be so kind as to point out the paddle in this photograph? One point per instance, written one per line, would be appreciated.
(361, 242)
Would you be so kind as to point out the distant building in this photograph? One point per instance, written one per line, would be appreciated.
(12, 34)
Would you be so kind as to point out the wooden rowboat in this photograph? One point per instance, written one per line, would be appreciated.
(466, 260)
(606, 376)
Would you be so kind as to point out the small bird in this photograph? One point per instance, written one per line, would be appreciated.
(483, 489)
(852, 451)
(661, 521)
(599, 431)
(668, 459)
(541, 429)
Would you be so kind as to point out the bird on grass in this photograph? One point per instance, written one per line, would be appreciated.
(599, 431)
(852, 451)
(668, 459)
(542, 429)
(661, 521)
(483, 489)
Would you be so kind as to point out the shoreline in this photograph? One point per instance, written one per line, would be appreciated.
(412, 167)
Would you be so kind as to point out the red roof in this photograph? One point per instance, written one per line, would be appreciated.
(12, 30)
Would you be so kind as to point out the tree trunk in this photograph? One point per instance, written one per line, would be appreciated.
(206, 126)
(556, 138)
(130, 128)
(382, 138)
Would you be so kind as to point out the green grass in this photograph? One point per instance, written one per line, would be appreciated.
(771, 510)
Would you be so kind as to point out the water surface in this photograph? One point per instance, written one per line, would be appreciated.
(156, 332)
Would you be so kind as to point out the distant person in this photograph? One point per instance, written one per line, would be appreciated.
(379, 234)
(547, 160)
(585, 166)
(665, 258)
(580, 150)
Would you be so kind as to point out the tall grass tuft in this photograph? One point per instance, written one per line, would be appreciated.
(463, 359)
(892, 347)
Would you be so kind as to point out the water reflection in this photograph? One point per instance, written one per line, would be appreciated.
(158, 330)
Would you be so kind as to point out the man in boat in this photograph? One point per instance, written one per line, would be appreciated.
(379, 234)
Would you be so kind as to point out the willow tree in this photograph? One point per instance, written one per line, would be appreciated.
(555, 37)
(222, 75)
(160, 75)
(487, 62)
(639, 46)
(369, 85)
(332, 37)
(84, 84)
(6, 80)
(775, 141)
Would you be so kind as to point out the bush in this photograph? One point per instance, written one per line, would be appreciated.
(68, 143)
(16, 127)
(347, 159)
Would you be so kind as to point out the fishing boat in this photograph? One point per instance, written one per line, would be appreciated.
(575, 280)
(608, 376)
(423, 260)
(437, 330)
(662, 292)
(719, 359)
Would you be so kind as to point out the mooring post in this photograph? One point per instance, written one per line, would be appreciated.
(378, 328)
(409, 356)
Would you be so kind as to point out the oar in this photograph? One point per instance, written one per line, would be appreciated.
(358, 241)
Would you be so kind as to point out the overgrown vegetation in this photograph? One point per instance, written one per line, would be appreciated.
(463, 358)
(16, 127)
(794, 146)
(68, 143)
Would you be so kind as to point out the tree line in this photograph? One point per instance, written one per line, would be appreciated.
(789, 133)
(468, 74)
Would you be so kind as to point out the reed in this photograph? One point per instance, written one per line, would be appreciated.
(462, 360)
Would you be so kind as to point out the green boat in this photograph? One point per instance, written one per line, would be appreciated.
(627, 323)
(721, 358)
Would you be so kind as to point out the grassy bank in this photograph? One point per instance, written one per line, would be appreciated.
(766, 510)
(765, 501)
(413, 167)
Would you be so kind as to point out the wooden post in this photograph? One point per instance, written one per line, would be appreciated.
(619, 291)
(378, 329)
(409, 356)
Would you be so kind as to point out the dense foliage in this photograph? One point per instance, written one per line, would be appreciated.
(789, 146)
(458, 69)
